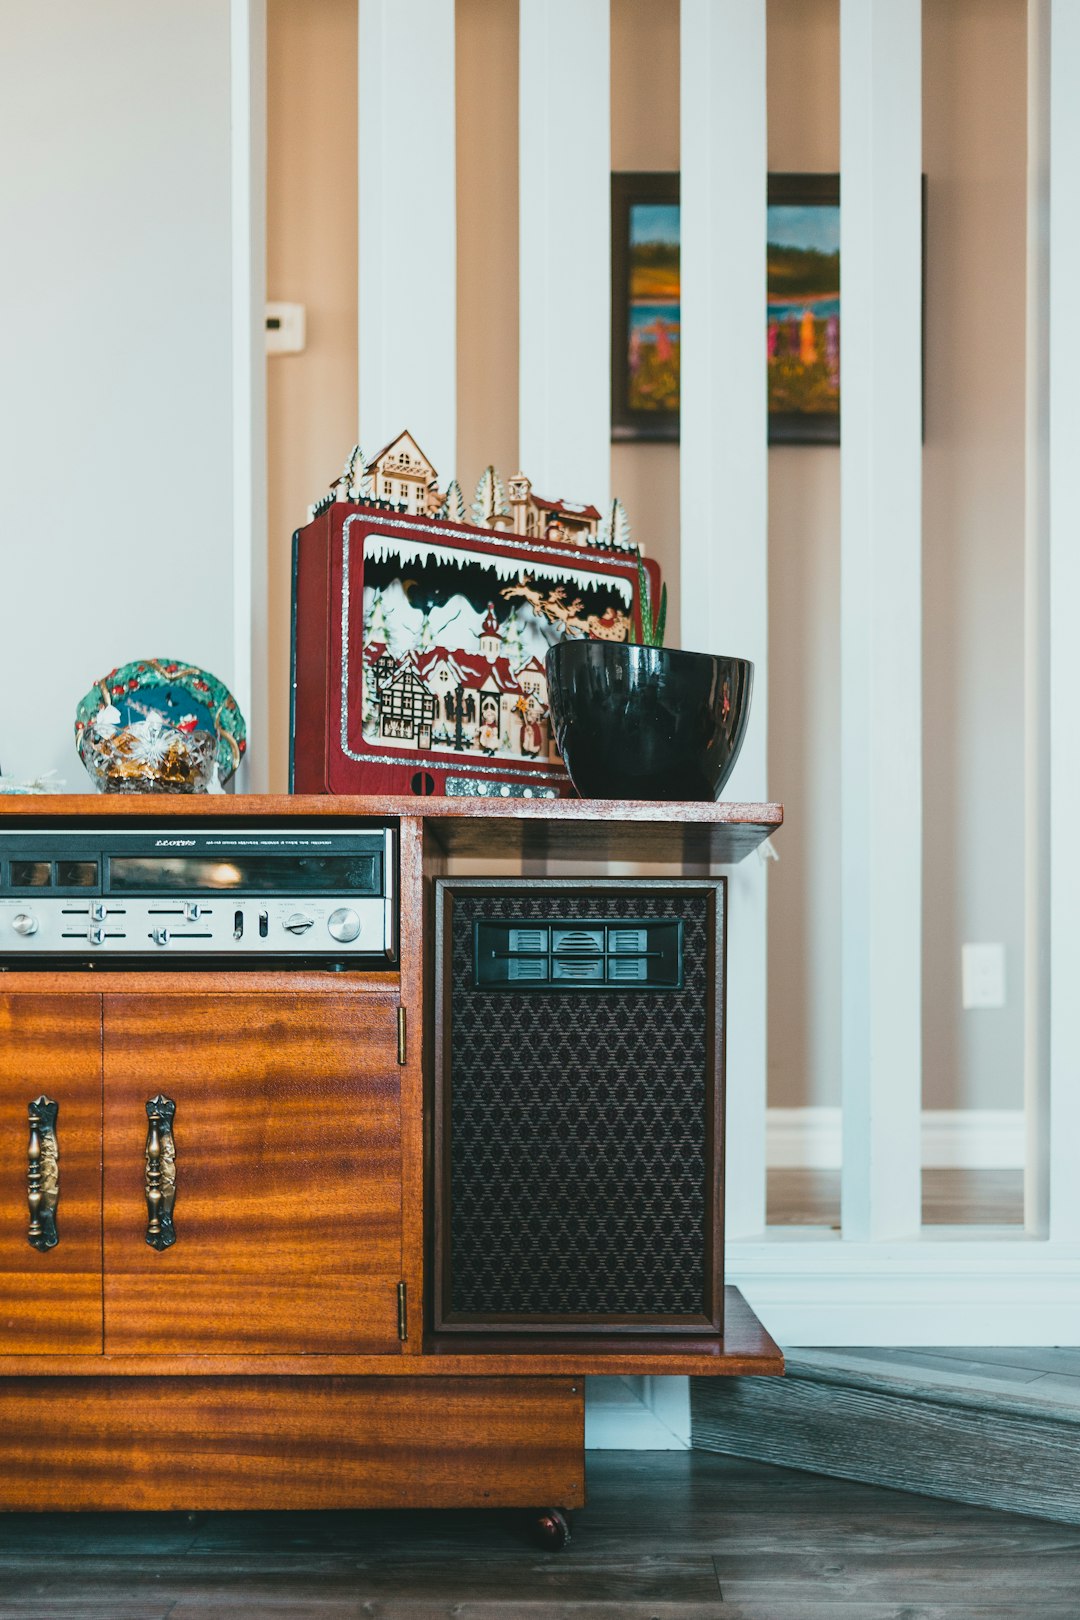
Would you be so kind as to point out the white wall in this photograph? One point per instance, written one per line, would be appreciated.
(116, 441)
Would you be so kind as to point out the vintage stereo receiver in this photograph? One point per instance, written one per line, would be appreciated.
(172, 894)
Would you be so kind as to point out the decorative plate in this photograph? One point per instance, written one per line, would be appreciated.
(190, 701)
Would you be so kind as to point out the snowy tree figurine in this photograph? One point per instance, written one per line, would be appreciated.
(452, 509)
(343, 486)
(616, 533)
(490, 508)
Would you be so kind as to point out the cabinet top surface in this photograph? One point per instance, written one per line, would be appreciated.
(155, 805)
(573, 829)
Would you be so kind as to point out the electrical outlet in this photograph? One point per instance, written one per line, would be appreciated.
(286, 328)
(983, 975)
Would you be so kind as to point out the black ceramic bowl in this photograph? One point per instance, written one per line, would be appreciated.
(647, 722)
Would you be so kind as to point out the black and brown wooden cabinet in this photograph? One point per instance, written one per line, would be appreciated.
(276, 1354)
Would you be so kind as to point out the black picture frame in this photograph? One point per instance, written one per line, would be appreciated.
(628, 189)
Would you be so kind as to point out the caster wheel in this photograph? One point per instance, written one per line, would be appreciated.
(553, 1529)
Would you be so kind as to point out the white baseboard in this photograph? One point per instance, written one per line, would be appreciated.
(637, 1414)
(968, 1139)
(952, 1286)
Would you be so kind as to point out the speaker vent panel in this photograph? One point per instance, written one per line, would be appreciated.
(647, 955)
(579, 1165)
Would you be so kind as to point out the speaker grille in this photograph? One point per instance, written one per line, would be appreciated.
(579, 1136)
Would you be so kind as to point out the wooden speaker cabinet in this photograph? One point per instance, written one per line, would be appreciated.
(578, 1106)
(560, 1042)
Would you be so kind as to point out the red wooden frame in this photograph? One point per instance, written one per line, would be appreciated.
(329, 754)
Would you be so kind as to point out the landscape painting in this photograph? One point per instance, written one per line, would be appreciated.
(803, 308)
(802, 314)
(653, 335)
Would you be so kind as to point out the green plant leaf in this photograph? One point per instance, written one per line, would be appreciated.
(661, 619)
(644, 603)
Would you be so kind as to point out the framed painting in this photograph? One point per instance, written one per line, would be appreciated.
(645, 306)
(801, 315)
(802, 323)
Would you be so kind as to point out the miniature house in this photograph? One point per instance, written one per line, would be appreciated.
(403, 475)
(551, 520)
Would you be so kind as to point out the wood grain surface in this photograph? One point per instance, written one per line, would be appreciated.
(556, 829)
(50, 1302)
(920, 1430)
(746, 1351)
(665, 1536)
(411, 1075)
(290, 1443)
(288, 1174)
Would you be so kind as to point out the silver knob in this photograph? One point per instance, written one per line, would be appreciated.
(96, 933)
(192, 911)
(24, 922)
(97, 911)
(160, 936)
(343, 924)
(298, 923)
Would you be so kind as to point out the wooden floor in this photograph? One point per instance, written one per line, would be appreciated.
(950, 1198)
(1049, 1375)
(667, 1535)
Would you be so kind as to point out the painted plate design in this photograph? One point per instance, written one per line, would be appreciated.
(181, 693)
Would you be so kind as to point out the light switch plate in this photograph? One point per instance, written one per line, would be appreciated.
(286, 328)
(982, 975)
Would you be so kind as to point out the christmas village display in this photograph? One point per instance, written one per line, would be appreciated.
(401, 479)
(457, 609)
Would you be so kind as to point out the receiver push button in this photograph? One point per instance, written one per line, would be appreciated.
(343, 924)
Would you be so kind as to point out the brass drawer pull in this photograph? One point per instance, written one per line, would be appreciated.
(160, 1172)
(42, 1173)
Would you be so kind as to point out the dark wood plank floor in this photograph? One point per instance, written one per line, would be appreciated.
(949, 1198)
(667, 1535)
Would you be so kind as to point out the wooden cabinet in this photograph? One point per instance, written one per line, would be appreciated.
(256, 1360)
(287, 1136)
(50, 1299)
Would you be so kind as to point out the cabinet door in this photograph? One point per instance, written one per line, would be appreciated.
(50, 1291)
(285, 1154)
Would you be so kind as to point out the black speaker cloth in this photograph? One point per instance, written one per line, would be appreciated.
(578, 1127)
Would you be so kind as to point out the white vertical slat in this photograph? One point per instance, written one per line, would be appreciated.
(564, 189)
(724, 485)
(881, 623)
(407, 226)
(1036, 638)
(247, 30)
(1064, 618)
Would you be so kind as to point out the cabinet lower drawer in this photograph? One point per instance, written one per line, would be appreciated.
(185, 1443)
